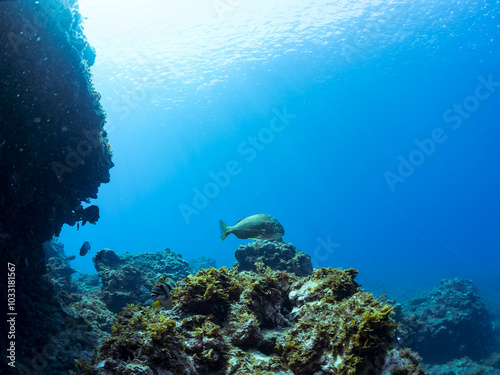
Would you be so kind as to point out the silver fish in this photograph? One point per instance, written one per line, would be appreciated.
(260, 226)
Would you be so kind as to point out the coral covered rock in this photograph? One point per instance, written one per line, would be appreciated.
(448, 322)
(58, 266)
(89, 306)
(463, 366)
(276, 254)
(263, 322)
(403, 362)
(128, 279)
(201, 262)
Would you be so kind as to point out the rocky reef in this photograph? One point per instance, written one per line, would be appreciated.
(446, 323)
(276, 254)
(128, 279)
(465, 366)
(89, 306)
(263, 322)
(54, 154)
(201, 262)
(58, 266)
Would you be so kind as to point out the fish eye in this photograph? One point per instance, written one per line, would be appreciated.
(277, 225)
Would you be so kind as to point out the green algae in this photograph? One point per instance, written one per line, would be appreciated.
(208, 292)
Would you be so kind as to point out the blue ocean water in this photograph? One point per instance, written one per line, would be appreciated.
(369, 129)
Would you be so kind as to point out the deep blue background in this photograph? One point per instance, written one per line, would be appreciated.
(363, 89)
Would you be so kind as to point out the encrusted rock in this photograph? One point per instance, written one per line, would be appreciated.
(58, 266)
(463, 366)
(201, 262)
(403, 362)
(264, 322)
(276, 254)
(448, 322)
(129, 278)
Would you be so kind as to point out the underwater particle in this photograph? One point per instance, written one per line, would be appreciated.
(259, 226)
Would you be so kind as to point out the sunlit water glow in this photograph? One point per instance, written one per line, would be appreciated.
(186, 84)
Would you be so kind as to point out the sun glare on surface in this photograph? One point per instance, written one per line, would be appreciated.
(196, 23)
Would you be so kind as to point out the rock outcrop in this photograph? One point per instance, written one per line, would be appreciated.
(264, 322)
(276, 254)
(128, 279)
(58, 266)
(446, 323)
(201, 262)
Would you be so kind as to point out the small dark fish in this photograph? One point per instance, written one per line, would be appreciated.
(162, 292)
(85, 248)
(260, 226)
(88, 215)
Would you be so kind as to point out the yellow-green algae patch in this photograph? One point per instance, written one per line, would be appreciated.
(264, 322)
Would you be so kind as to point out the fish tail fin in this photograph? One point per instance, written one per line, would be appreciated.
(224, 230)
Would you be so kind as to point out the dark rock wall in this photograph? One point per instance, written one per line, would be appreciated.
(53, 155)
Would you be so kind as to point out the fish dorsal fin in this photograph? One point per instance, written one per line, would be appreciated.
(239, 221)
(256, 217)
